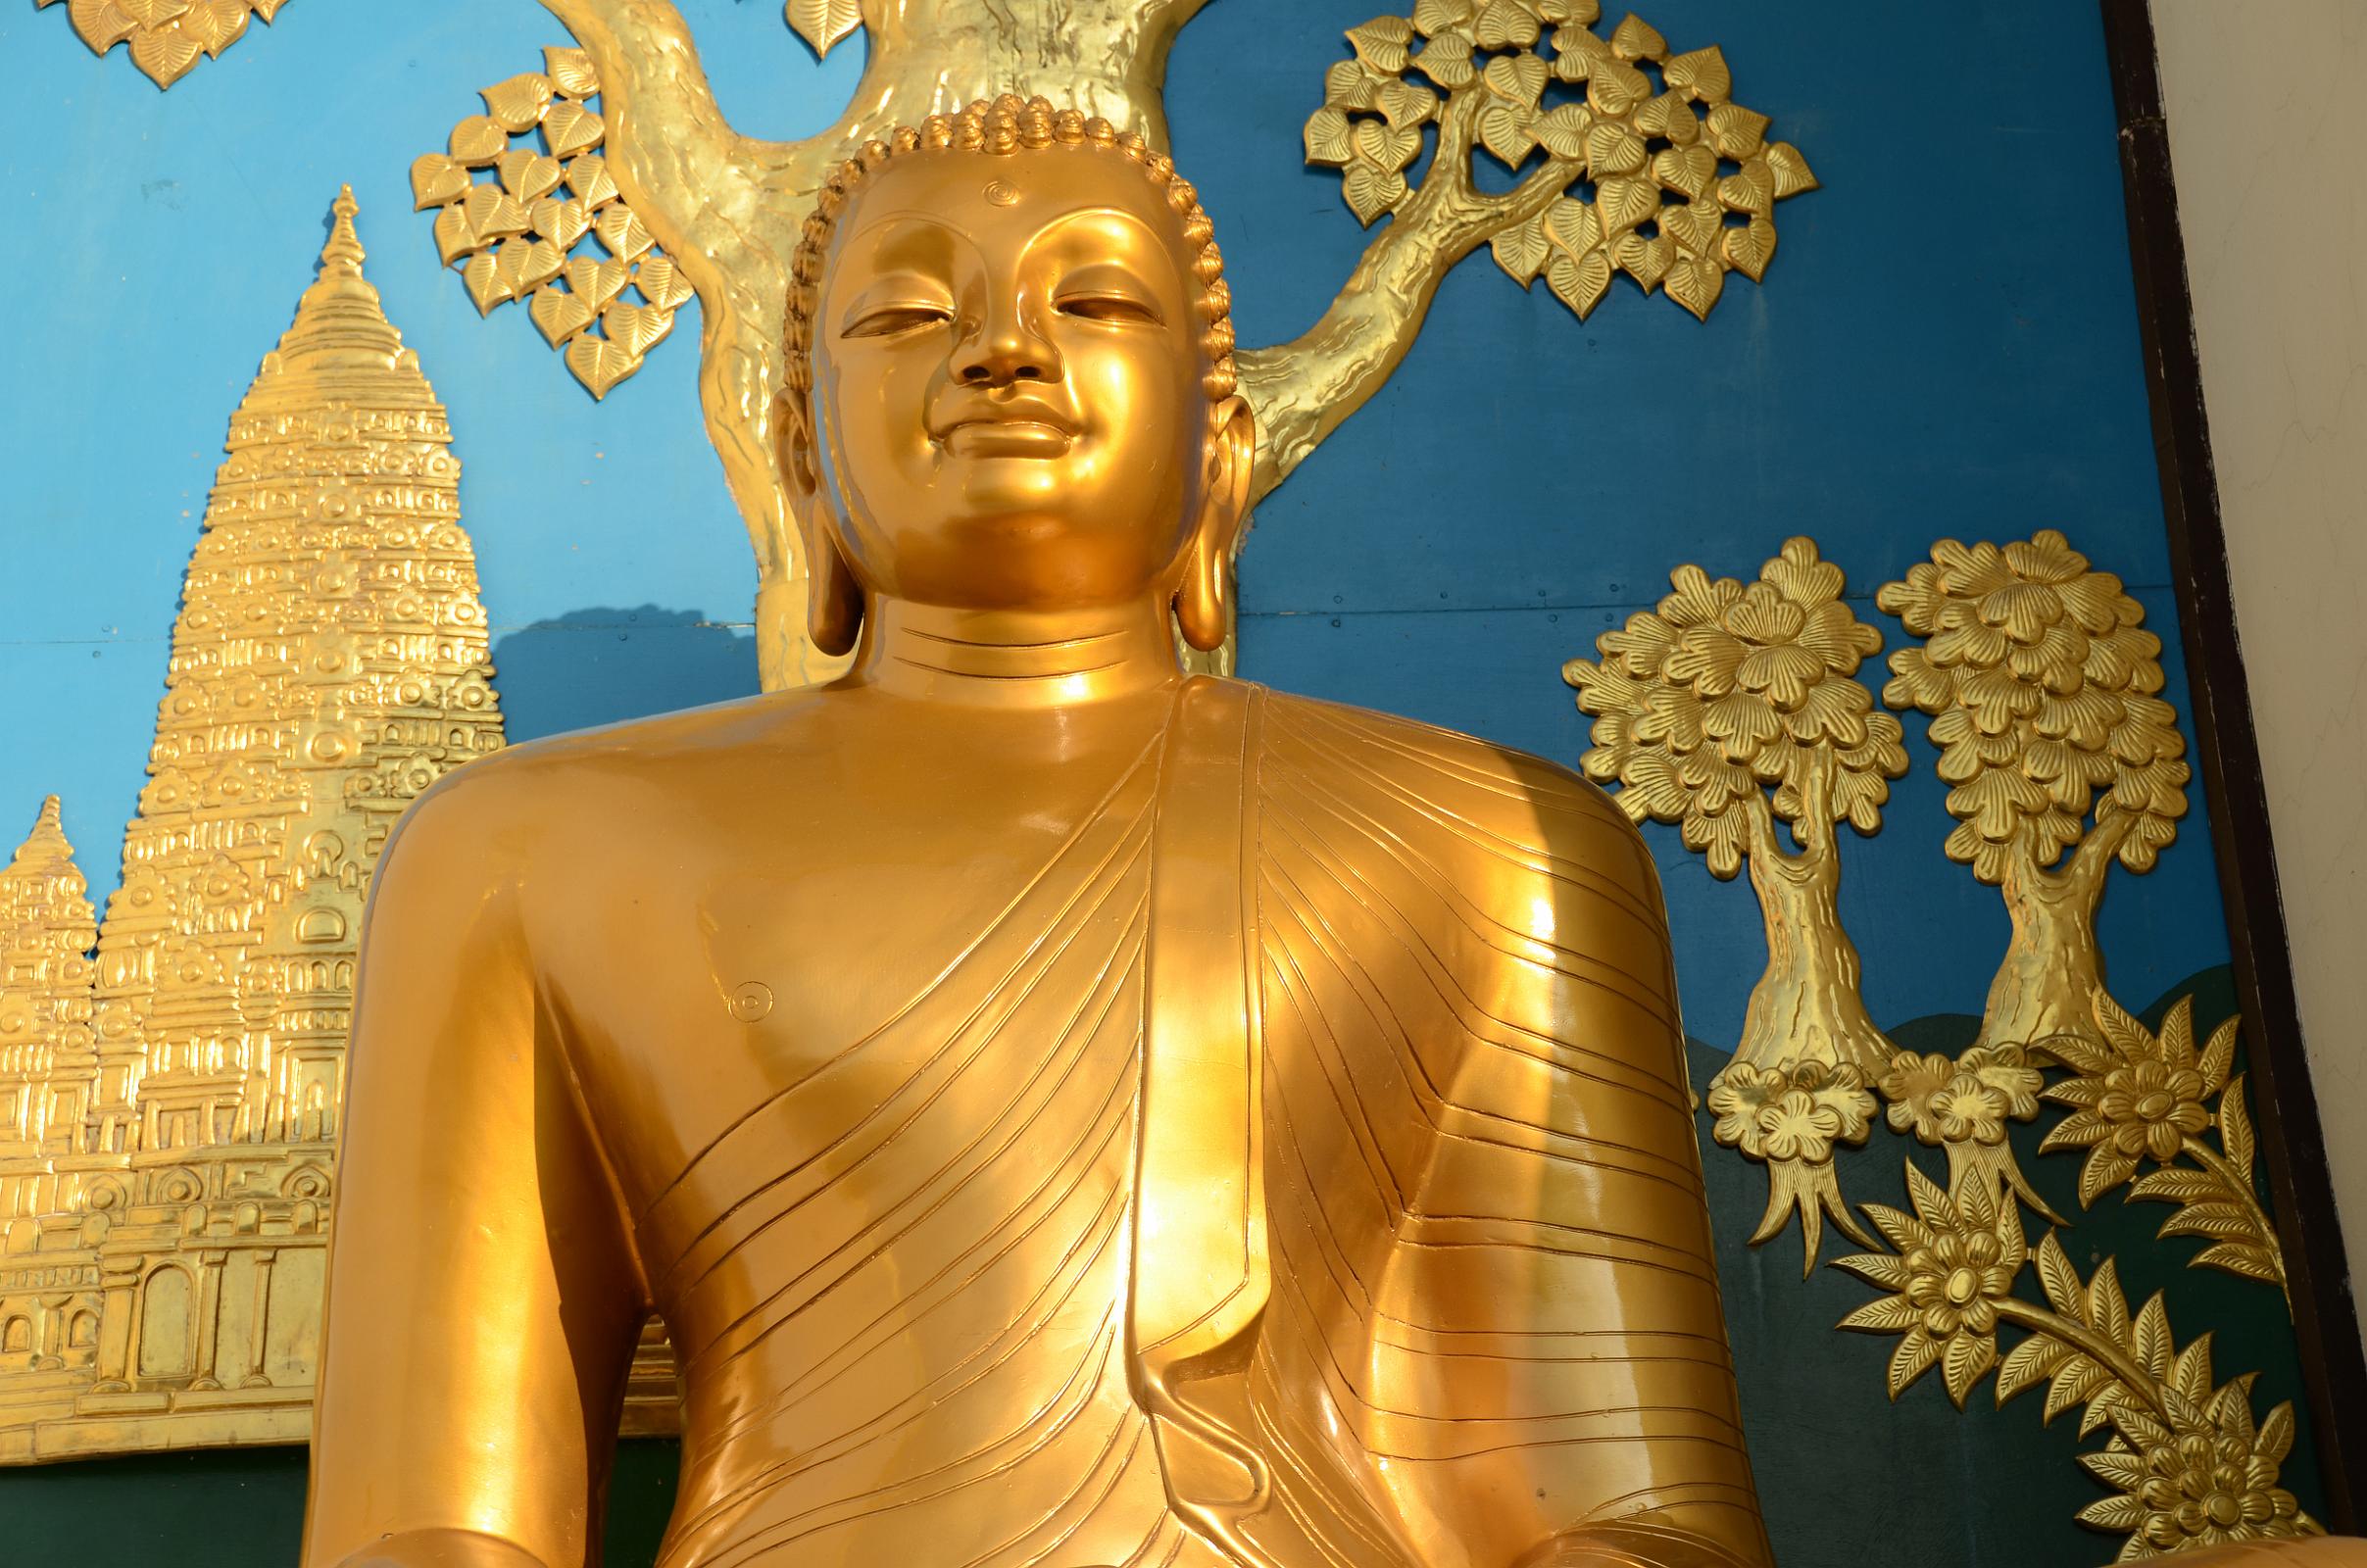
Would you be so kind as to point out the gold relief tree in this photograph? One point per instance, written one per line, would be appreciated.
(1685, 180)
(2042, 688)
(1732, 711)
(728, 209)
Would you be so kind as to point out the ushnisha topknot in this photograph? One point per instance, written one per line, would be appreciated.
(1010, 124)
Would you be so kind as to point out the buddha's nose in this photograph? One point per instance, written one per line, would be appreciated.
(1005, 348)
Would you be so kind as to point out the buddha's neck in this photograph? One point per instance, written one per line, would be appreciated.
(1016, 659)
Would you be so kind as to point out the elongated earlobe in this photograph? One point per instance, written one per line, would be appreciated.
(1203, 599)
(833, 597)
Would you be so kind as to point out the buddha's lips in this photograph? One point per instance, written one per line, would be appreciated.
(1007, 435)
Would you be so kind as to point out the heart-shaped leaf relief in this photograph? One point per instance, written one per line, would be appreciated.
(434, 180)
(599, 363)
(1577, 52)
(662, 282)
(1434, 16)
(1504, 130)
(1381, 43)
(561, 223)
(1384, 148)
(493, 213)
(1446, 60)
(636, 329)
(1371, 190)
(1522, 249)
(1614, 88)
(1573, 225)
(214, 24)
(570, 70)
(1646, 261)
(621, 230)
(1579, 281)
(166, 56)
(1751, 247)
(1696, 225)
(517, 103)
(1405, 104)
(1636, 39)
(568, 129)
(589, 178)
(558, 315)
(1791, 170)
(1696, 282)
(100, 24)
(1348, 85)
(1734, 131)
(152, 14)
(528, 264)
(1328, 136)
(1506, 25)
(1625, 202)
(477, 141)
(1561, 131)
(596, 283)
(1611, 148)
(1689, 169)
(1699, 73)
(1670, 117)
(453, 238)
(1515, 79)
(483, 278)
(823, 22)
(527, 174)
(1751, 188)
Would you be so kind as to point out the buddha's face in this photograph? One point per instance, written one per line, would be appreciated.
(1007, 382)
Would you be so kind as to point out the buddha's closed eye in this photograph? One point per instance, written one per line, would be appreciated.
(902, 316)
(1099, 307)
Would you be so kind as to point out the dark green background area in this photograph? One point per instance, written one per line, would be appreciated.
(1849, 1479)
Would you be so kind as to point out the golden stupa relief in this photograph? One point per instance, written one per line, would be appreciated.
(169, 1112)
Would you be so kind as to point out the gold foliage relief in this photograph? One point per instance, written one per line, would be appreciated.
(165, 38)
(528, 210)
(2138, 1097)
(2187, 1462)
(1685, 180)
(1734, 711)
(2042, 688)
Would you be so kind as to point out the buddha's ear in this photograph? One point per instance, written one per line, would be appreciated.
(1203, 599)
(833, 597)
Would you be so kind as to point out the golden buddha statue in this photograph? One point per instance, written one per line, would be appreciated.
(1065, 1112)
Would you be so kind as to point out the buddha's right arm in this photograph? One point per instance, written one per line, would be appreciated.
(483, 1294)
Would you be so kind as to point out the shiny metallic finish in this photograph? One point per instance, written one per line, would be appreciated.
(1195, 1125)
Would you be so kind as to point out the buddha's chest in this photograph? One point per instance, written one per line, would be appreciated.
(890, 1044)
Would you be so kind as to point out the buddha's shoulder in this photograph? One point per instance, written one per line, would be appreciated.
(540, 788)
(1495, 799)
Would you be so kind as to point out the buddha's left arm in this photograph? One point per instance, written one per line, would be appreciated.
(1535, 1351)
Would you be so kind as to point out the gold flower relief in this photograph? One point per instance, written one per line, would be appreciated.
(1791, 1118)
(1683, 180)
(1962, 1105)
(528, 210)
(166, 38)
(2139, 1098)
(2188, 1463)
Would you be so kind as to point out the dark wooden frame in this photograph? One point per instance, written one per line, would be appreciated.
(2325, 1318)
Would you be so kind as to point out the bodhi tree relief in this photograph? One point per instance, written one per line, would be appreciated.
(1684, 182)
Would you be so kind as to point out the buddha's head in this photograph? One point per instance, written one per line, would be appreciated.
(1010, 378)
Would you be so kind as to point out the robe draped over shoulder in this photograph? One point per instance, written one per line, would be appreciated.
(1494, 1310)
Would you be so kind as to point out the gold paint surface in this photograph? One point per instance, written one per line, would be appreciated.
(729, 207)
(165, 38)
(1191, 1125)
(168, 1116)
(521, 232)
